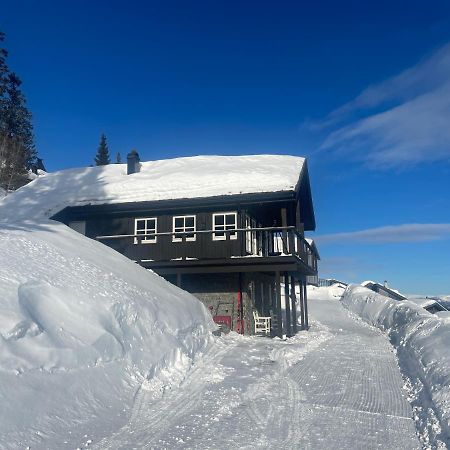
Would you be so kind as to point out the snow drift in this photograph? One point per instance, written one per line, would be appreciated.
(81, 329)
(421, 339)
(75, 312)
(332, 292)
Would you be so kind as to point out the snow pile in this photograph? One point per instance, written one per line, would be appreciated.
(75, 313)
(199, 176)
(422, 343)
(332, 292)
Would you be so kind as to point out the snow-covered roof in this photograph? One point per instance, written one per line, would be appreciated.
(425, 302)
(313, 245)
(178, 178)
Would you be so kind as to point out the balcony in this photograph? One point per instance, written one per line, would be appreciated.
(231, 247)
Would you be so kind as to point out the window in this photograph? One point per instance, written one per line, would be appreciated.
(251, 237)
(222, 222)
(79, 226)
(183, 224)
(146, 225)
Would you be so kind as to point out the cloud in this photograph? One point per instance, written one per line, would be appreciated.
(415, 232)
(348, 268)
(406, 118)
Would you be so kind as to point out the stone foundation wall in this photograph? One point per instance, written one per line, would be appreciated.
(219, 293)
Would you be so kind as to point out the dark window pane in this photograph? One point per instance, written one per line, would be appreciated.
(179, 222)
(218, 220)
(189, 222)
(230, 219)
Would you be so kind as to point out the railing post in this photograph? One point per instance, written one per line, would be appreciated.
(291, 242)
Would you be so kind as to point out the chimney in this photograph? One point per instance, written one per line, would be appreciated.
(133, 162)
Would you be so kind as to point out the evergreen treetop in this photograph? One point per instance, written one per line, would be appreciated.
(16, 119)
(17, 150)
(102, 156)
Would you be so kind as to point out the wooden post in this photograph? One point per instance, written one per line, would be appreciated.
(284, 234)
(179, 279)
(294, 306)
(278, 304)
(287, 301)
(302, 305)
(298, 222)
(305, 303)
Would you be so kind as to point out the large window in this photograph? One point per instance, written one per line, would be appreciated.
(184, 224)
(251, 237)
(222, 222)
(145, 225)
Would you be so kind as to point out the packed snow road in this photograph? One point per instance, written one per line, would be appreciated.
(337, 386)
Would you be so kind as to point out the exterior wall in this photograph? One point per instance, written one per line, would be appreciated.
(204, 247)
(219, 293)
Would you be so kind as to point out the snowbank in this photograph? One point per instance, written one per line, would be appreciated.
(332, 292)
(421, 339)
(81, 328)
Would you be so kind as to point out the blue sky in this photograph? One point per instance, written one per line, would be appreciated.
(359, 88)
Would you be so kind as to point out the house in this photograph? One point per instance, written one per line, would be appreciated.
(228, 229)
(431, 304)
(383, 289)
(314, 257)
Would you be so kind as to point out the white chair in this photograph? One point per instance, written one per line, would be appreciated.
(262, 324)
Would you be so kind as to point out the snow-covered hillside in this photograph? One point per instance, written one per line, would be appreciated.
(81, 329)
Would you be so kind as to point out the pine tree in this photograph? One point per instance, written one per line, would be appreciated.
(102, 156)
(118, 158)
(17, 118)
(3, 72)
(17, 151)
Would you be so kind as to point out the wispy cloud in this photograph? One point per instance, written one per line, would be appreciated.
(347, 268)
(414, 232)
(407, 118)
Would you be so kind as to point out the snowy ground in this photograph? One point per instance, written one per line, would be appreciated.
(336, 386)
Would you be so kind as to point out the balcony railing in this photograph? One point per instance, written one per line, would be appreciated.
(213, 244)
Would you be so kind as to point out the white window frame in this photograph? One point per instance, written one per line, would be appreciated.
(233, 237)
(147, 229)
(183, 228)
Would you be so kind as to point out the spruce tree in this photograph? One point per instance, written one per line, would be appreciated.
(102, 156)
(17, 151)
(17, 118)
(3, 73)
(118, 158)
